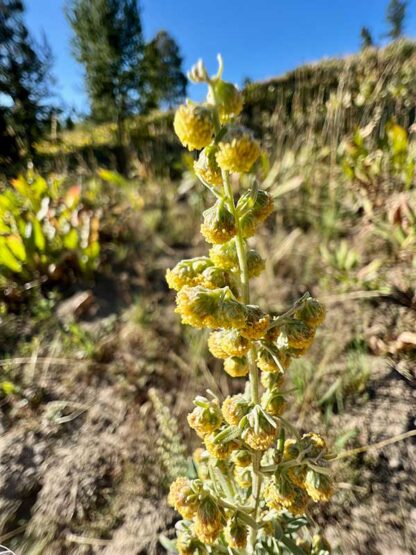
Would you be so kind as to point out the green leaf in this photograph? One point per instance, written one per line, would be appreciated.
(8, 387)
(15, 244)
(7, 258)
(71, 239)
(38, 236)
(293, 548)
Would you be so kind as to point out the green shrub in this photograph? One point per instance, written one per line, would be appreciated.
(45, 231)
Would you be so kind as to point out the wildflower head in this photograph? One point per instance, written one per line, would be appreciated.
(282, 494)
(228, 343)
(194, 125)
(318, 486)
(188, 272)
(259, 430)
(254, 208)
(272, 380)
(298, 334)
(216, 278)
(242, 458)
(187, 544)
(218, 226)
(219, 450)
(209, 520)
(273, 402)
(271, 359)
(183, 496)
(236, 533)
(314, 444)
(228, 100)
(312, 312)
(236, 367)
(243, 476)
(257, 323)
(234, 408)
(211, 308)
(207, 168)
(200, 457)
(237, 150)
(206, 416)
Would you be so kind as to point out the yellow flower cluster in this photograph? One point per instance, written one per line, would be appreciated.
(237, 150)
(249, 470)
(194, 126)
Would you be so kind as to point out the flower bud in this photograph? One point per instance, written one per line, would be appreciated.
(209, 520)
(234, 408)
(273, 402)
(297, 475)
(236, 533)
(200, 457)
(207, 168)
(312, 312)
(257, 323)
(219, 224)
(243, 476)
(211, 308)
(271, 359)
(225, 256)
(206, 417)
(255, 263)
(186, 544)
(194, 125)
(188, 272)
(221, 450)
(270, 381)
(254, 208)
(217, 278)
(227, 343)
(314, 443)
(236, 367)
(238, 150)
(184, 497)
(228, 100)
(241, 458)
(318, 486)
(286, 495)
(260, 431)
(298, 334)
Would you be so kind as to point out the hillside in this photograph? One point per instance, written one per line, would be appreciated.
(99, 374)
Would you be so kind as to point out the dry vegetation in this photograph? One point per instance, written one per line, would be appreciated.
(87, 365)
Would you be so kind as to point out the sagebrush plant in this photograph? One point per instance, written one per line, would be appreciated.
(257, 475)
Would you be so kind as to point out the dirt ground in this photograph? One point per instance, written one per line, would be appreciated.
(80, 470)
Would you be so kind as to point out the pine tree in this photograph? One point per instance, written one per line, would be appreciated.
(108, 42)
(162, 75)
(24, 84)
(396, 14)
(366, 38)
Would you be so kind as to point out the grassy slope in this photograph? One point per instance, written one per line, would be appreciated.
(77, 449)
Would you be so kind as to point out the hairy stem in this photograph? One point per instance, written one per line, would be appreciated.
(253, 371)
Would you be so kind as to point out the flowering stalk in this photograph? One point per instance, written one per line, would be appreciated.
(254, 479)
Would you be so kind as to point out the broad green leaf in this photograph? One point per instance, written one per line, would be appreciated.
(15, 244)
(7, 259)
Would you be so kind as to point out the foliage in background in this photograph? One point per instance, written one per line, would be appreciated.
(45, 231)
(24, 87)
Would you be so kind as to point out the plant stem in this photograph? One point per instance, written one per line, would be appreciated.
(253, 371)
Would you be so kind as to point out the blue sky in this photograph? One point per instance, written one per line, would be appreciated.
(258, 39)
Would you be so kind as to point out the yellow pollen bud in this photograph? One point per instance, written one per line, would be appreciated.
(236, 367)
(207, 168)
(237, 150)
(194, 126)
